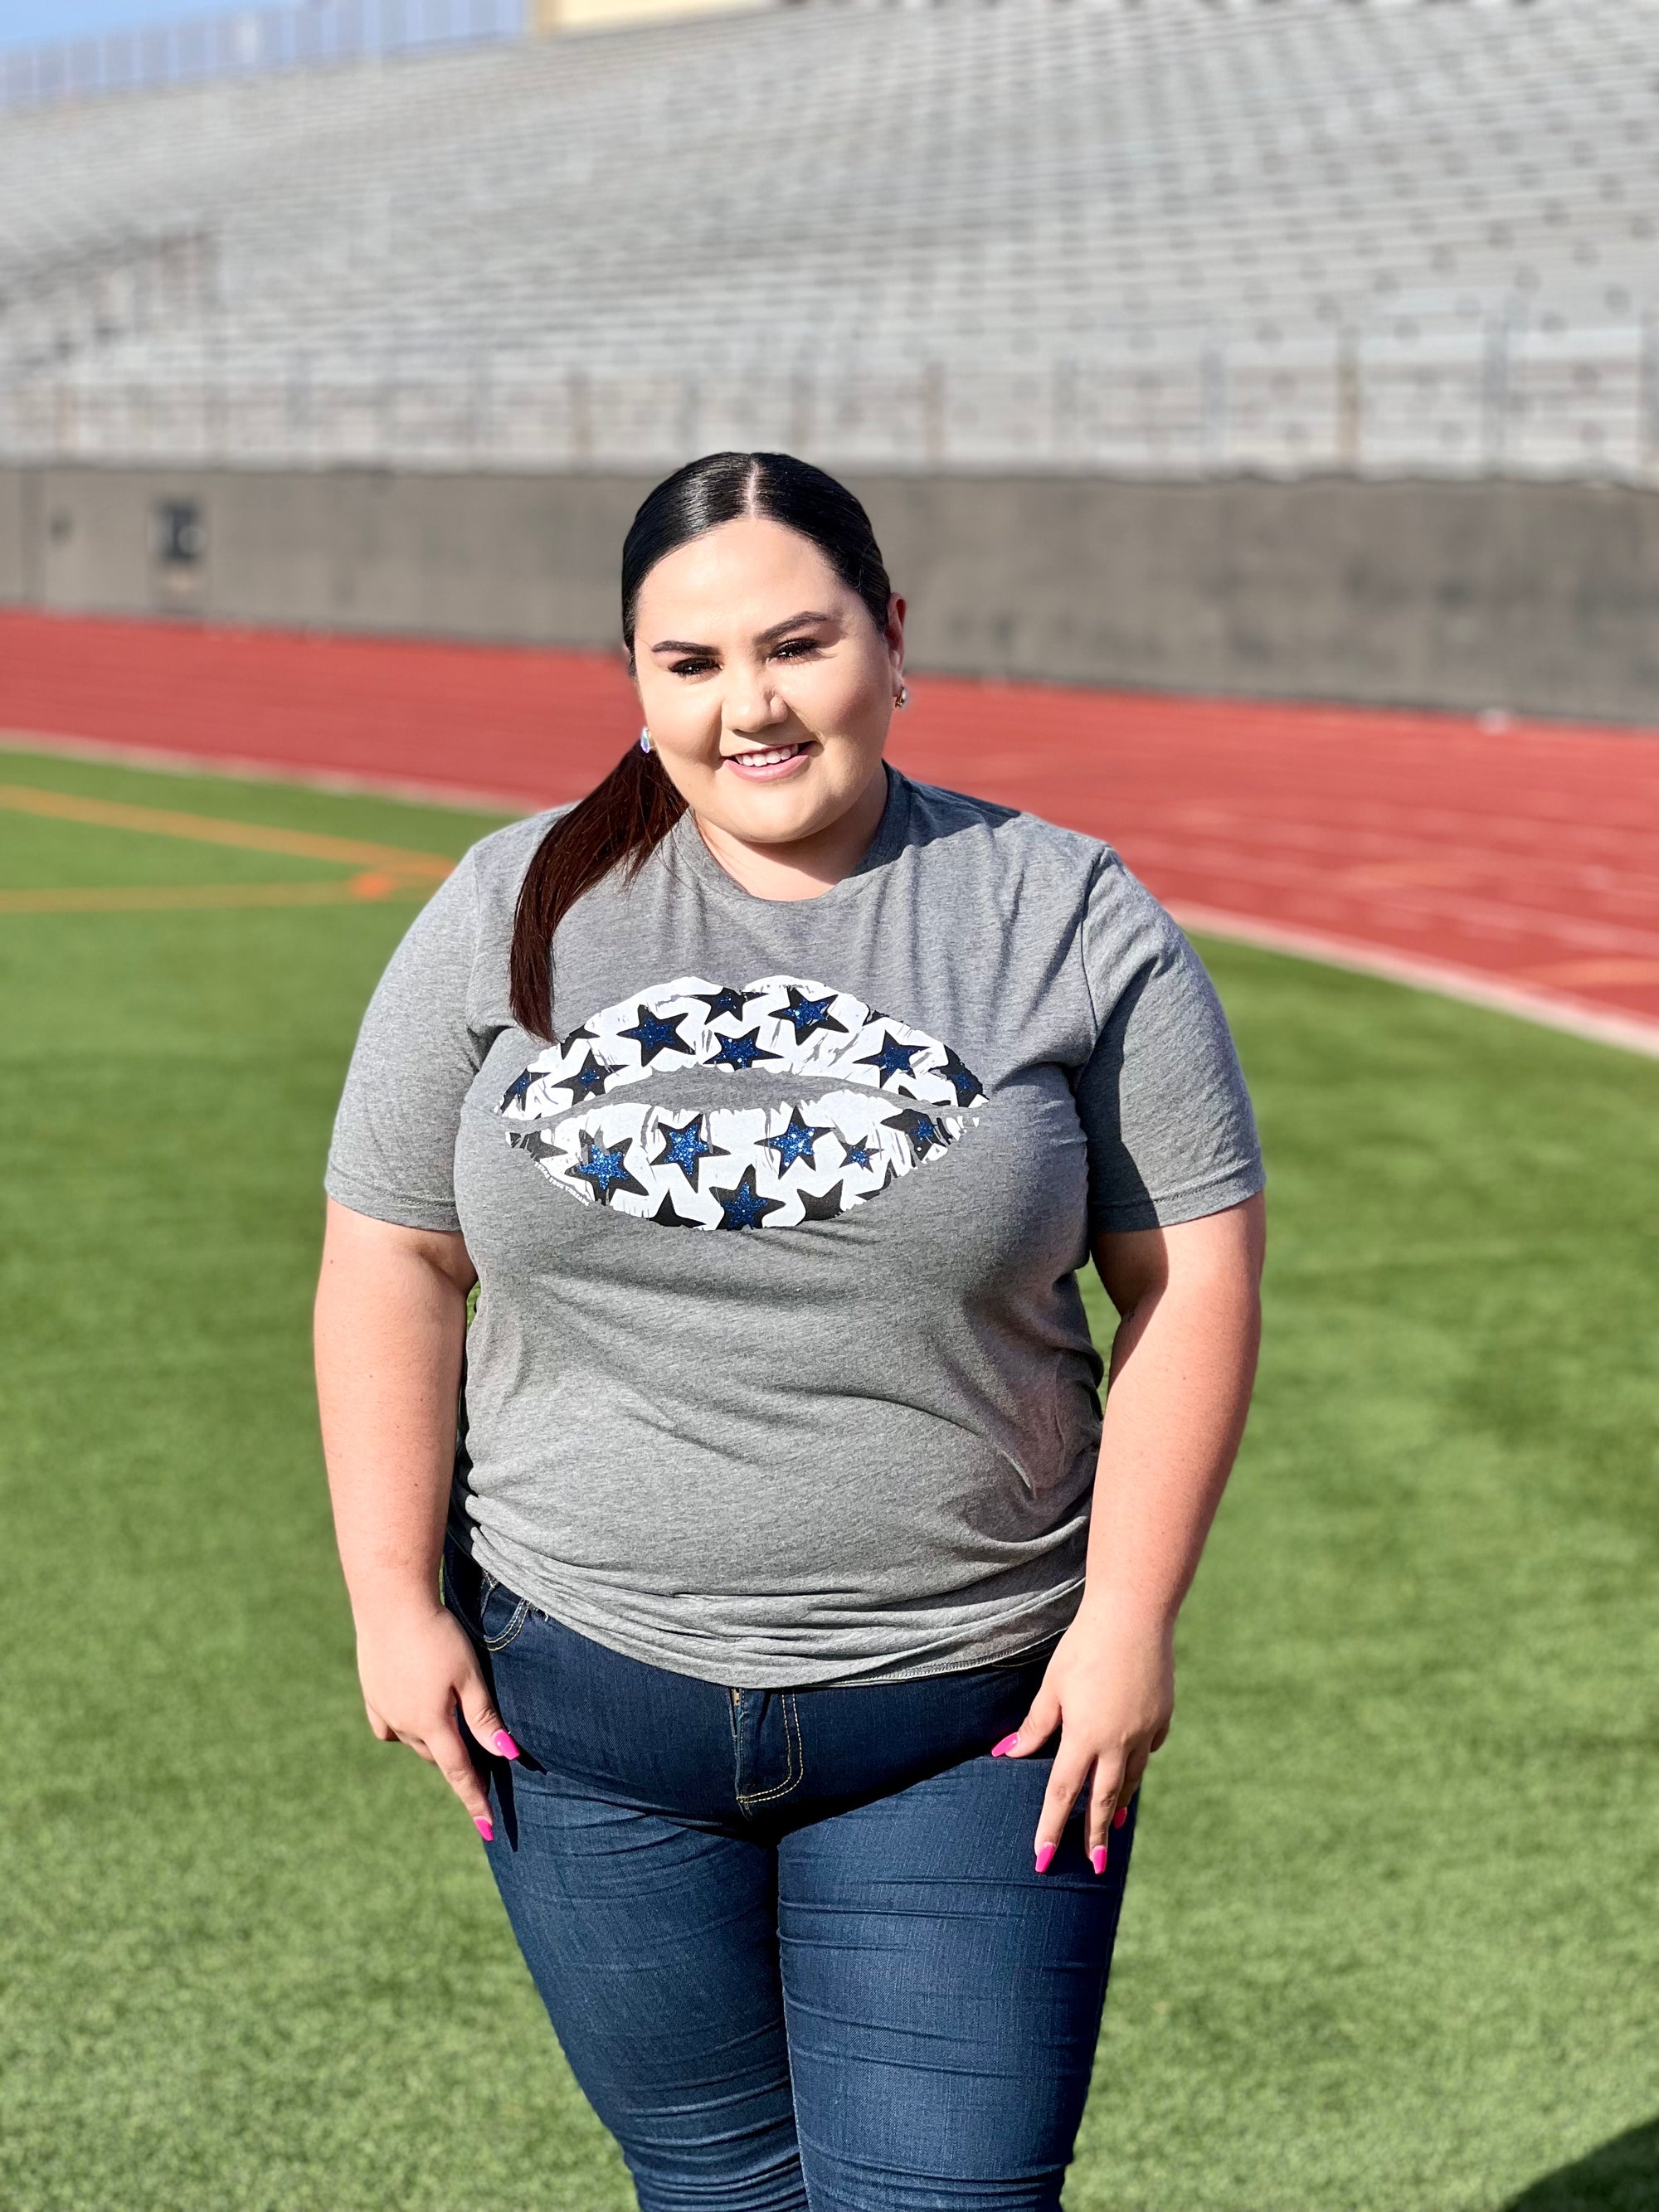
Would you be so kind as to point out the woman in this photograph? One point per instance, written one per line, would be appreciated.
(794, 1665)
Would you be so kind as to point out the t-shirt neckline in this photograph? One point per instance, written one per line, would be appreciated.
(887, 843)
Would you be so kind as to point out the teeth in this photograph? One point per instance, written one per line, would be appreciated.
(766, 759)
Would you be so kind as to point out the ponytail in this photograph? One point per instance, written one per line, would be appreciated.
(623, 822)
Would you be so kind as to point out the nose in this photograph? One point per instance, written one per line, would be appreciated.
(751, 705)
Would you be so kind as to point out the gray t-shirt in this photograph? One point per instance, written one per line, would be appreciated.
(854, 1440)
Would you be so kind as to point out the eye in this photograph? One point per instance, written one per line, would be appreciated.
(797, 645)
(694, 667)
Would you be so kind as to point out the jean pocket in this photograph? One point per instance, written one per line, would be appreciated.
(501, 1614)
(491, 1612)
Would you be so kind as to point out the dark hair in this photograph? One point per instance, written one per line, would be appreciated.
(623, 820)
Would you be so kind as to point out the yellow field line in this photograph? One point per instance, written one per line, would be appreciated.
(162, 898)
(207, 829)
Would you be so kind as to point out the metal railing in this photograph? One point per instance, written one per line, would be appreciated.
(1504, 401)
(246, 42)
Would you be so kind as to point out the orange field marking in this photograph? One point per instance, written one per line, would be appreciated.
(171, 898)
(383, 872)
(397, 861)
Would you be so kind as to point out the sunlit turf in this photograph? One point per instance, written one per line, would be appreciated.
(1389, 1943)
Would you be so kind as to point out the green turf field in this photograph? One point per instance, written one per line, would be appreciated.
(1390, 1939)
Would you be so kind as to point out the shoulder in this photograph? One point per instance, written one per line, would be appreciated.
(1007, 845)
(493, 869)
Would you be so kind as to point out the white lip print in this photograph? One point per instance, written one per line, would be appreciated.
(742, 1167)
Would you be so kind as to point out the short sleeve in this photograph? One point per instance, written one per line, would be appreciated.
(1171, 1133)
(393, 1150)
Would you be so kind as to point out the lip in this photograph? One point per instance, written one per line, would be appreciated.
(777, 770)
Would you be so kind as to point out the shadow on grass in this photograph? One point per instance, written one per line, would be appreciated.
(1620, 2176)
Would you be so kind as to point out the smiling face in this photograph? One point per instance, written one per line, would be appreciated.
(766, 686)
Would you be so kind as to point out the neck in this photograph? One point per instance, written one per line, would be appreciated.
(807, 866)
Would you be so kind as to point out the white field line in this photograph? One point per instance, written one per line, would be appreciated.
(1550, 1010)
(415, 790)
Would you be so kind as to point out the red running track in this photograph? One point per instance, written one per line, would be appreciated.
(1515, 865)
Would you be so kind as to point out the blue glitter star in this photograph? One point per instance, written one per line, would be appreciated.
(740, 1051)
(602, 1168)
(794, 1142)
(745, 1207)
(656, 1034)
(515, 1090)
(858, 1156)
(683, 1148)
(963, 1080)
(893, 1059)
(590, 1078)
(807, 1015)
(924, 1131)
(727, 1000)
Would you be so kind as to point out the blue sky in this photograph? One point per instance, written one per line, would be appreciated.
(27, 22)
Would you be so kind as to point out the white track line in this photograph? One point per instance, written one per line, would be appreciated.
(1548, 1009)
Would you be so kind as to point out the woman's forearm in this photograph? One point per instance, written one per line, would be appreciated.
(390, 1322)
(1184, 1363)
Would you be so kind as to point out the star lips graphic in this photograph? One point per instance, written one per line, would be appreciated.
(889, 1098)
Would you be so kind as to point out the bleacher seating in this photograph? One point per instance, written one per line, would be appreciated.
(1171, 236)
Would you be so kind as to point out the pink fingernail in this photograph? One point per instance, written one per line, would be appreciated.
(484, 1828)
(1120, 1816)
(504, 1743)
(1098, 1858)
(1044, 1853)
(1007, 1744)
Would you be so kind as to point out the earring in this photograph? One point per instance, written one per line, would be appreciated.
(645, 741)
(901, 696)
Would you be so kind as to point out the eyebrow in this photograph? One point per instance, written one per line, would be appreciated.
(685, 645)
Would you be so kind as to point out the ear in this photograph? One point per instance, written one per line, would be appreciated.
(895, 632)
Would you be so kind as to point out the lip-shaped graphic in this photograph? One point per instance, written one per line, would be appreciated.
(772, 1167)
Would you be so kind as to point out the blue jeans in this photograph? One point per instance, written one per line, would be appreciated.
(792, 1941)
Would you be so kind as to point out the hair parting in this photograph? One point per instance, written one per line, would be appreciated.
(623, 819)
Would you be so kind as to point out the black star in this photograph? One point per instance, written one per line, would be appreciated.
(963, 1080)
(529, 1140)
(575, 1036)
(514, 1094)
(745, 1207)
(924, 1131)
(684, 1148)
(858, 1156)
(602, 1167)
(794, 1142)
(807, 1015)
(893, 1059)
(590, 1078)
(824, 1208)
(726, 1001)
(740, 1051)
(667, 1216)
(656, 1033)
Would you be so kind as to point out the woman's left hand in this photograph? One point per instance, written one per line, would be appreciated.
(1110, 1688)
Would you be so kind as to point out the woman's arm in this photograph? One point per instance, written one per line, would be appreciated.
(391, 1321)
(1183, 1361)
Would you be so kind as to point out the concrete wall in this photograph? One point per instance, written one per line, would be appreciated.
(1540, 598)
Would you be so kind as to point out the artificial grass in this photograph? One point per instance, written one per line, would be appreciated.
(1390, 1941)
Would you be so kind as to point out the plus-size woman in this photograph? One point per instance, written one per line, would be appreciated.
(804, 1633)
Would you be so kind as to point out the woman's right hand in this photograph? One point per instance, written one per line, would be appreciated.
(421, 1677)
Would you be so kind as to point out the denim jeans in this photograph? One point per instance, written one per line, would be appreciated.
(792, 1941)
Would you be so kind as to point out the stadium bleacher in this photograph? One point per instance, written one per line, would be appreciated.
(1175, 238)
